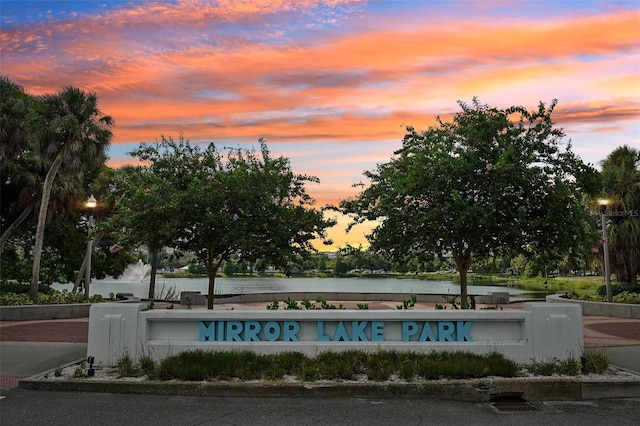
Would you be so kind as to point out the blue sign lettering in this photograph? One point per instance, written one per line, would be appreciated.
(377, 331)
(447, 331)
(356, 331)
(463, 331)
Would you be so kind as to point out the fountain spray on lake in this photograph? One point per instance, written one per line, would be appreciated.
(135, 273)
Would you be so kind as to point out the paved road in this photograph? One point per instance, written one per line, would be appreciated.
(27, 359)
(19, 407)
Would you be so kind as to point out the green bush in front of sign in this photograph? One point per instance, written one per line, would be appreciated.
(348, 365)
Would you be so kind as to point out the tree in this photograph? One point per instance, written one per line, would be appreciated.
(14, 107)
(621, 184)
(146, 211)
(72, 135)
(19, 183)
(489, 180)
(235, 203)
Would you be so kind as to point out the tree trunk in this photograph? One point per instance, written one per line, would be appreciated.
(212, 272)
(463, 262)
(80, 275)
(7, 233)
(154, 269)
(463, 288)
(42, 217)
(83, 267)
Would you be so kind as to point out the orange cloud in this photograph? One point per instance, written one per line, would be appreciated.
(231, 72)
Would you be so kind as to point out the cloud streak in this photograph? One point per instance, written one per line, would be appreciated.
(326, 76)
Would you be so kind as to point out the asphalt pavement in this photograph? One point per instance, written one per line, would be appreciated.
(25, 408)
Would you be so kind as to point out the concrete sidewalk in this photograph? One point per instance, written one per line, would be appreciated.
(30, 347)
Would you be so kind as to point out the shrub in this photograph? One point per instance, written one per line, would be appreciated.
(127, 368)
(626, 297)
(341, 365)
(15, 299)
(199, 365)
(147, 364)
(21, 288)
(382, 364)
(617, 289)
(595, 362)
(54, 297)
(569, 367)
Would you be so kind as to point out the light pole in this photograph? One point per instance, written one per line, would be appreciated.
(91, 204)
(605, 246)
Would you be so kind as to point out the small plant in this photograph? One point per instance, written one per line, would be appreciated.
(363, 306)
(291, 304)
(308, 305)
(452, 300)
(548, 368)
(595, 362)
(409, 303)
(151, 304)
(189, 302)
(147, 364)
(167, 293)
(57, 372)
(273, 306)
(78, 373)
(439, 306)
(568, 367)
(325, 305)
(492, 308)
(170, 306)
(126, 367)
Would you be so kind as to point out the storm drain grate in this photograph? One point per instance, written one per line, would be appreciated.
(513, 406)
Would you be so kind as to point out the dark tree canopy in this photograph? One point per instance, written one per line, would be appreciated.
(621, 185)
(490, 180)
(72, 136)
(146, 211)
(228, 203)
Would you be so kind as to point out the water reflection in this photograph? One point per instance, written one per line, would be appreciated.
(277, 285)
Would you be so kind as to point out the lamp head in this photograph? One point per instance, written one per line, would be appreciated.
(92, 202)
(603, 203)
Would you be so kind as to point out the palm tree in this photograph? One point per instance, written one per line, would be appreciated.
(73, 135)
(621, 183)
(14, 106)
(15, 169)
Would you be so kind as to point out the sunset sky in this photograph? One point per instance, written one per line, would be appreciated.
(330, 84)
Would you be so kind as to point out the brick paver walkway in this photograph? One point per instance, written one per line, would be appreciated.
(46, 331)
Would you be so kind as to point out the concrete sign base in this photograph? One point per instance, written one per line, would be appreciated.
(539, 332)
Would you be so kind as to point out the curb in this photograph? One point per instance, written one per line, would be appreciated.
(475, 390)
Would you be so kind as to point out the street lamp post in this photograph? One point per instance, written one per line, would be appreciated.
(605, 246)
(91, 204)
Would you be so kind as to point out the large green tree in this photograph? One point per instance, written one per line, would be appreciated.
(487, 181)
(235, 202)
(72, 136)
(19, 184)
(146, 211)
(621, 184)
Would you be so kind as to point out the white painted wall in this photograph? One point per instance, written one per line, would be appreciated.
(539, 332)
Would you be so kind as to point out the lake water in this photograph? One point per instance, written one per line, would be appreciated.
(140, 288)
